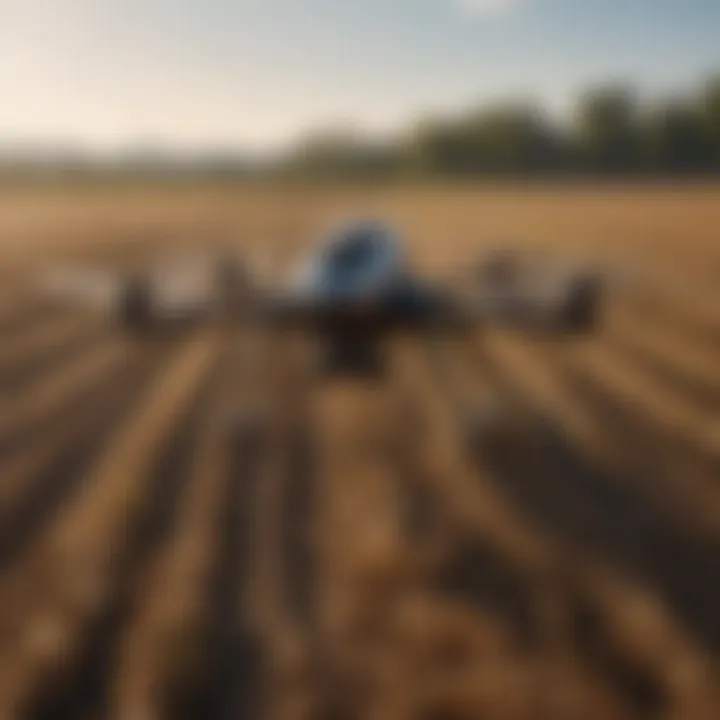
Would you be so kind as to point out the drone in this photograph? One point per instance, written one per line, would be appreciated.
(351, 292)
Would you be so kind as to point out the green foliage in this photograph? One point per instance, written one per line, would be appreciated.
(608, 131)
(612, 133)
(341, 152)
(710, 118)
(504, 139)
(676, 138)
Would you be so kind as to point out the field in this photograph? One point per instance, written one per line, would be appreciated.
(194, 526)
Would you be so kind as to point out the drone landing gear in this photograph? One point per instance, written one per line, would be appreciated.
(135, 306)
(351, 359)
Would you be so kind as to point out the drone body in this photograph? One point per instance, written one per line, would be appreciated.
(355, 289)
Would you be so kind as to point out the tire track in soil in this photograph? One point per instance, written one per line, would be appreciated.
(65, 589)
(651, 665)
(47, 473)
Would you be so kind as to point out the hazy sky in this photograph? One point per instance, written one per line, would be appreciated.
(214, 73)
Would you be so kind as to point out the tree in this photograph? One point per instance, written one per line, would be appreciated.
(608, 129)
(674, 138)
(509, 138)
(339, 152)
(515, 138)
(710, 119)
(441, 147)
(612, 135)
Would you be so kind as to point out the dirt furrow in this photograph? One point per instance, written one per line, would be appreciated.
(541, 379)
(492, 564)
(691, 373)
(570, 491)
(23, 310)
(87, 687)
(51, 604)
(253, 622)
(693, 313)
(171, 656)
(235, 665)
(42, 347)
(54, 397)
(161, 654)
(281, 600)
(463, 378)
(44, 474)
(691, 370)
(655, 666)
(51, 331)
(694, 432)
(362, 557)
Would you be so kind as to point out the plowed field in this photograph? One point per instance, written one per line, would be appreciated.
(198, 526)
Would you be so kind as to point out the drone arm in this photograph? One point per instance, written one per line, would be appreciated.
(571, 308)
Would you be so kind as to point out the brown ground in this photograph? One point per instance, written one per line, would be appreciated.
(349, 553)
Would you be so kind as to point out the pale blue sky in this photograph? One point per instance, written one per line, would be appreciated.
(255, 73)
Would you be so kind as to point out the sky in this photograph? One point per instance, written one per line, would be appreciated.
(254, 74)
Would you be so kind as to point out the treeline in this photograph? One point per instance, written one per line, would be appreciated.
(611, 133)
